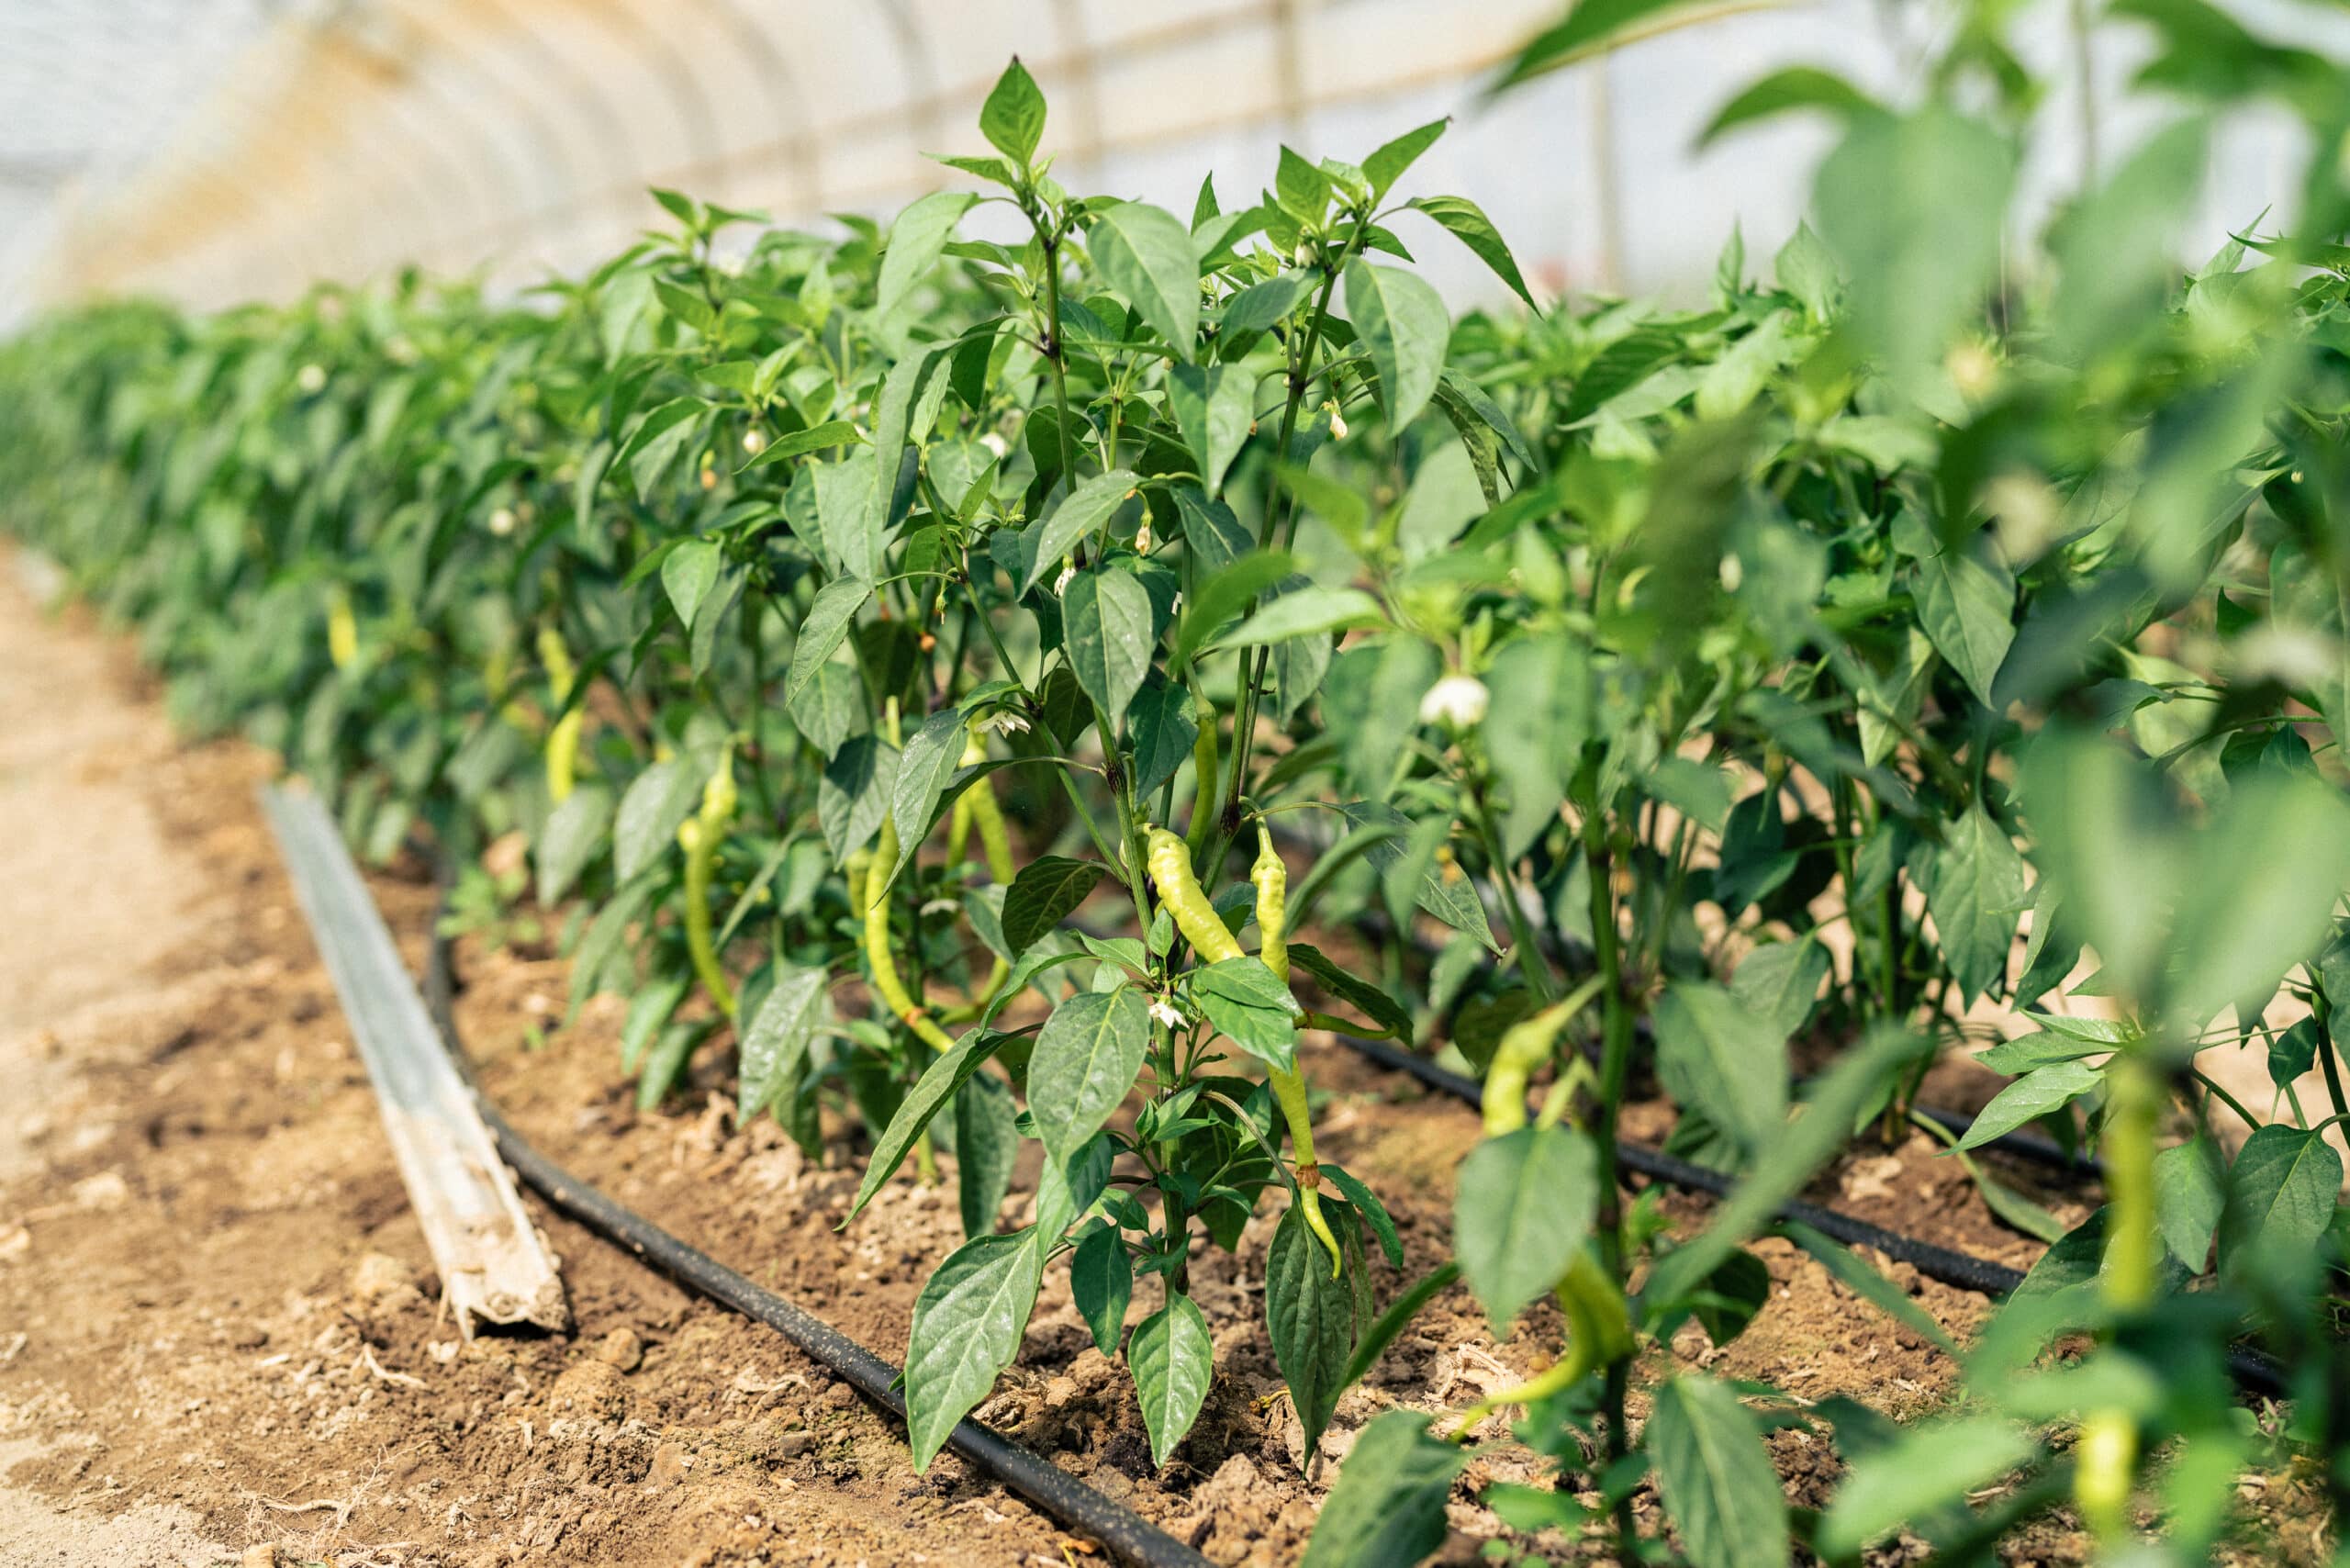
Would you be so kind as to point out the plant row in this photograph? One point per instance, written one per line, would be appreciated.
(1014, 675)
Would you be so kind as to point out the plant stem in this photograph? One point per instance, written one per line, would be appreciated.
(1531, 963)
(1301, 377)
(1614, 1068)
(2212, 1087)
(754, 608)
(2325, 1056)
(1054, 356)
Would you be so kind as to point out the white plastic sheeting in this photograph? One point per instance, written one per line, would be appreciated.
(230, 149)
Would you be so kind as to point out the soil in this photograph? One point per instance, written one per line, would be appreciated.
(219, 1334)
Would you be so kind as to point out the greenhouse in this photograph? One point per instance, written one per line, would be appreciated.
(1249, 782)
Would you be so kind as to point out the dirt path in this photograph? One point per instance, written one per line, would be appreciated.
(218, 1330)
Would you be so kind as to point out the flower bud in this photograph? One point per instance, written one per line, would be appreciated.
(1457, 700)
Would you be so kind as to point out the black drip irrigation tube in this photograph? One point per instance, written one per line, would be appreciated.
(2254, 1372)
(1127, 1534)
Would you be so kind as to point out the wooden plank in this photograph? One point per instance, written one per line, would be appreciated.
(495, 1267)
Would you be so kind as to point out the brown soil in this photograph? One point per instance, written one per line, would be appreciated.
(218, 1330)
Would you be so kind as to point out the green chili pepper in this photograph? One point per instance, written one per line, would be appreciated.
(700, 835)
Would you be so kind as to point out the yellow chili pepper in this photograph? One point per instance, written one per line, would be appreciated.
(1204, 765)
(1170, 862)
(1599, 1331)
(877, 943)
(343, 631)
(563, 740)
(2105, 1461)
(977, 806)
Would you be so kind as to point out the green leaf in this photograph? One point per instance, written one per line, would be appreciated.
(687, 573)
(1226, 593)
(968, 1324)
(2190, 1191)
(1310, 1319)
(1783, 91)
(1046, 889)
(2281, 1193)
(1522, 1207)
(648, 1010)
(2260, 895)
(776, 1043)
(1108, 634)
(1163, 731)
(799, 444)
(1807, 269)
(930, 1094)
(1213, 408)
(658, 800)
(1148, 255)
(1012, 120)
(1102, 1279)
(1300, 187)
(1450, 898)
(853, 794)
(660, 436)
(1535, 732)
(1718, 1483)
(923, 768)
(1086, 1059)
(685, 306)
(1067, 1188)
(1779, 982)
(573, 833)
(1387, 1509)
(1916, 207)
(1260, 305)
(1699, 790)
(1385, 166)
(1968, 609)
(1307, 612)
(829, 707)
(916, 241)
(2034, 1095)
(1588, 27)
(1360, 994)
(1928, 1467)
(1251, 1007)
(986, 1145)
(1172, 1358)
(1723, 1058)
(1366, 1202)
(1468, 223)
(823, 630)
(1083, 511)
(1976, 897)
(1862, 1074)
(1404, 325)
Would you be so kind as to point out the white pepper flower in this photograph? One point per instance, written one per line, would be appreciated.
(311, 379)
(755, 442)
(502, 522)
(1165, 1012)
(1142, 538)
(1060, 583)
(996, 444)
(1338, 421)
(1457, 700)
